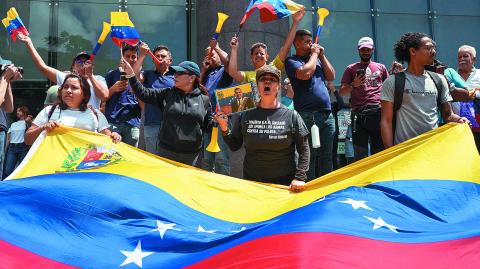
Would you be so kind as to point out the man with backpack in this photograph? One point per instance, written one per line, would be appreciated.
(412, 99)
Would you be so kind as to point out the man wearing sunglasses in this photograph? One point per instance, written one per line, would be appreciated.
(81, 65)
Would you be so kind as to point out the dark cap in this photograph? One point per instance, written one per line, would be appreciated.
(187, 66)
(268, 69)
(81, 54)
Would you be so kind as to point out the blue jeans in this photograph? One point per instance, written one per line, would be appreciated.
(150, 133)
(218, 162)
(321, 162)
(15, 154)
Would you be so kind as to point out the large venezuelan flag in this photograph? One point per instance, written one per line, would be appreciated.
(14, 24)
(80, 202)
(122, 29)
(271, 10)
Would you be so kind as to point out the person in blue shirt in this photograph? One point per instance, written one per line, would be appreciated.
(308, 71)
(122, 108)
(214, 76)
(159, 78)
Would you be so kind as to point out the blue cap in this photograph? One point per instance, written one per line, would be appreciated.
(187, 66)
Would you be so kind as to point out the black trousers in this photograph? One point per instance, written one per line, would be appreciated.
(366, 134)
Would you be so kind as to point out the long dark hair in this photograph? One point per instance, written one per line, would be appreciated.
(84, 85)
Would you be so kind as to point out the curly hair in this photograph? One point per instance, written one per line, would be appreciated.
(407, 41)
(84, 85)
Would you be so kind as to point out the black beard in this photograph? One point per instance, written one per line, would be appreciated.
(365, 58)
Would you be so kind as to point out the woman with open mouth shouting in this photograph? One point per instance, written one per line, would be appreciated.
(271, 133)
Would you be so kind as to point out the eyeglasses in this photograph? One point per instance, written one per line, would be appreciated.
(269, 79)
(429, 47)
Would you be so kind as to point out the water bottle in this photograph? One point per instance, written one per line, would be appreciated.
(315, 136)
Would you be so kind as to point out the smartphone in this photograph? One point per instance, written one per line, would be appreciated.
(361, 72)
(123, 76)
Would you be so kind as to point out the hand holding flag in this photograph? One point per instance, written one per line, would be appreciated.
(14, 24)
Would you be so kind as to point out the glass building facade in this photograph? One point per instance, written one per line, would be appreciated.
(62, 28)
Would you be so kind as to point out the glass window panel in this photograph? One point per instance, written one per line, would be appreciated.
(166, 25)
(79, 26)
(451, 32)
(343, 5)
(157, 3)
(38, 28)
(389, 31)
(404, 6)
(457, 7)
(340, 36)
(91, 1)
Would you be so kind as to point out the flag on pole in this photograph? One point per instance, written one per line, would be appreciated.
(271, 10)
(94, 204)
(14, 24)
(123, 29)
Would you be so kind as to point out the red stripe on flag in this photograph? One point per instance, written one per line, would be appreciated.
(326, 250)
(13, 257)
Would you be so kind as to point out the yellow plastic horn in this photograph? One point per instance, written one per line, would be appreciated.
(105, 31)
(213, 146)
(222, 17)
(5, 22)
(12, 13)
(322, 14)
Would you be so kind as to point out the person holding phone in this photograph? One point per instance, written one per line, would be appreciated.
(363, 81)
(123, 110)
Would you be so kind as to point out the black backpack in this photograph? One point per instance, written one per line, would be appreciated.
(400, 87)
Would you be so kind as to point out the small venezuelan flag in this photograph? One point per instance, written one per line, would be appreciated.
(271, 10)
(123, 29)
(14, 24)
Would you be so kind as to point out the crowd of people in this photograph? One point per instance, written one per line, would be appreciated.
(289, 135)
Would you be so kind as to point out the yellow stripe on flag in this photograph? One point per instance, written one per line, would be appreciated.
(120, 19)
(292, 6)
(446, 153)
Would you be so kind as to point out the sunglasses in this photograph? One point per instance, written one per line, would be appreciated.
(80, 61)
(180, 73)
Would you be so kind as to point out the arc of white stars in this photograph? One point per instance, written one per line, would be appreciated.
(136, 256)
(202, 230)
(356, 204)
(162, 228)
(379, 223)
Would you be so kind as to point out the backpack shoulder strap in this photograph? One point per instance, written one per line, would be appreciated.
(439, 85)
(97, 123)
(50, 113)
(399, 89)
(398, 97)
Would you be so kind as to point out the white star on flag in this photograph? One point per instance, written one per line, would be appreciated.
(135, 256)
(379, 223)
(201, 230)
(356, 204)
(241, 230)
(163, 227)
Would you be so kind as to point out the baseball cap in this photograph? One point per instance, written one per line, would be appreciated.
(81, 54)
(365, 42)
(187, 66)
(268, 69)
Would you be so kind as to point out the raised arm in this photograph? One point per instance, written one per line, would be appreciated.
(232, 69)
(49, 72)
(306, 71)
(297, 17)
(137, 67)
